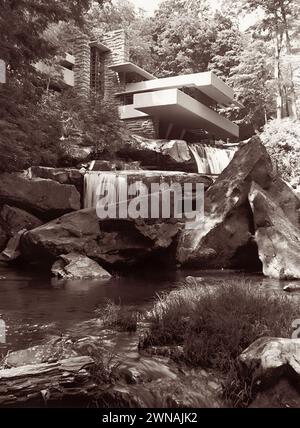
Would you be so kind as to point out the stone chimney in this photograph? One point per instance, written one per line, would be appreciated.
(116, 41)
(82, 67)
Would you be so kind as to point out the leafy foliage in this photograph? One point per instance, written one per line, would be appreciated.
(121, 14)
(278, 23)
(29, 129)
(282, 140)
(31, 116)
(253, 82)
(94, 121)
(193, 41)
(22, 25)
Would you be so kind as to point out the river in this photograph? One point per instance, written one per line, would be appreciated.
(34, 306)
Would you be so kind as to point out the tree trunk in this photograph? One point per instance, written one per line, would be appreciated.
(277, 75)
(292, 111)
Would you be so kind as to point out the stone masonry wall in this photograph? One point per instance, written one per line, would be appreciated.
(82, 53)
(116, 41)
(112, 82)
(146, 127)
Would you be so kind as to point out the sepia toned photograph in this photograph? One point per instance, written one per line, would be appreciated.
(149, 207)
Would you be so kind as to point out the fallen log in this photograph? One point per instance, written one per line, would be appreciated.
(66, 379)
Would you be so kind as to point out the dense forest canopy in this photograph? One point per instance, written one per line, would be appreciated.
(183, 36)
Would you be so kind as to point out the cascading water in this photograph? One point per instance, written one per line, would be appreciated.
(201, 161)
(103, 183)
(113, 191)
(114, 185)
(211, 160)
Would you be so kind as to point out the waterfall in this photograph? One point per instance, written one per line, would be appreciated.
(201, 161)
(104, 183)
(115, 185)
(211, 160)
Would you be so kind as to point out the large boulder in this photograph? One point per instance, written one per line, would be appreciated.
(116, 165)
(277, 237)
(284, 394)
(106, 241)
(16, 219)
(72, 176)
(46, 198)
(4, 237)
(75, 152)
(171, 155)
(12, 220)
(227, 226)
(286, 198)
(269, 358)
(77, 266)
(57, 348)
(273, 367)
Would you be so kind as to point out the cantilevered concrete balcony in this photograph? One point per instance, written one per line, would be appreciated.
(61, 74)
(129, 67)
(68, 76)
(207, 83)
(174, 106)
(129, 112)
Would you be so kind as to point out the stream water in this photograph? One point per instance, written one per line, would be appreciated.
(34, 306)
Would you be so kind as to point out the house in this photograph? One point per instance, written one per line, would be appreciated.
(179, 107)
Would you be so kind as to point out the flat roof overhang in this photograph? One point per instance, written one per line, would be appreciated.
(99, 45)
(207, 83)
(129, 67)
(174, 106)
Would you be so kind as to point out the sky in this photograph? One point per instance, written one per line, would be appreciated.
(147, 5)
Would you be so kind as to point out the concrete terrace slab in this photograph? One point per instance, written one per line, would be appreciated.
(176, 107)
(208, 83)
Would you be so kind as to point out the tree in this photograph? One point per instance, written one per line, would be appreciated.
(276, 24)
(189, 37)
(181, 38)
(282, 140)
(22, 25)
(226, 47)
(253, 82)
(29, 129)
(121, 14)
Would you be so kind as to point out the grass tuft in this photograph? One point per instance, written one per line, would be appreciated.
(122, 318)
(215, 324)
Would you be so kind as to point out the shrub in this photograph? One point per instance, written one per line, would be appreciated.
(282, 140)
(34, 120)
(95, 120)
(29, 127)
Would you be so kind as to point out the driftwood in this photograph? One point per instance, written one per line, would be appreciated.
(42, 383)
